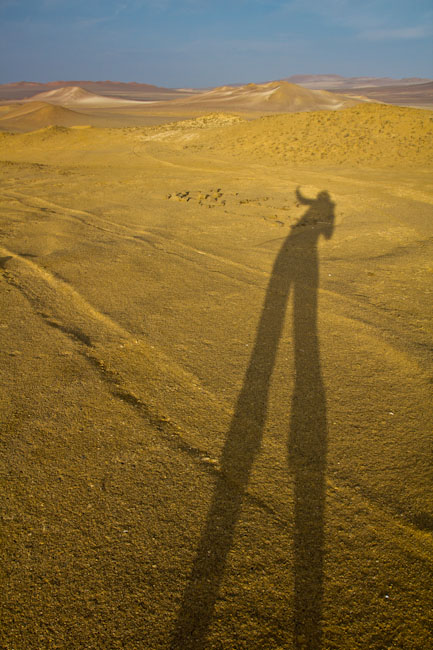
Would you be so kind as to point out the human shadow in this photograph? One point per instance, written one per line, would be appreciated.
(296, 268)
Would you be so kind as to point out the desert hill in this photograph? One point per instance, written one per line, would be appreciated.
(373, 134)
(130, 90)
(273, 96)
(36, 115)
(76, 96)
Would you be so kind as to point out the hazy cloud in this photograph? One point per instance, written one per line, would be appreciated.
(372, 19)
(89, 22)
(403, 33)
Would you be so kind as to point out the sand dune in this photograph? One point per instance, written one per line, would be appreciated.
(74, 107)
(366, 134)
(78, 97)
(269, 97)
(131, 90)
(36, 115)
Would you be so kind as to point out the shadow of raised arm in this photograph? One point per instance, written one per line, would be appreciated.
(303, 199)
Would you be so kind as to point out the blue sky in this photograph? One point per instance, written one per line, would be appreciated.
(198, 43)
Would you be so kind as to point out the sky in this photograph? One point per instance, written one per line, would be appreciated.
(202, 43)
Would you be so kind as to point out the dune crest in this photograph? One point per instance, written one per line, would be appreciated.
(270, 97)
(77, 96)
(37, 115)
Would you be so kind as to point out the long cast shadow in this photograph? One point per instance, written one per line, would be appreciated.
(296, 267)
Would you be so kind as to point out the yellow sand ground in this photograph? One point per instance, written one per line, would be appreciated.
(216, 386)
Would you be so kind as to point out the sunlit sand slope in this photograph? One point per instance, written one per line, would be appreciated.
(37, 115)
(76, 96)
(216, 384)
(370, 134)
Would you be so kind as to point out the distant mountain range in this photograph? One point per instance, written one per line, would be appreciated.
(337, 82)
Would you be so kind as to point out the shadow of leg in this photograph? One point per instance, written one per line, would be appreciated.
(307, 458)
(241, 447)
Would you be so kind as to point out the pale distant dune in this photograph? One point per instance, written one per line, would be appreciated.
(275, 96)
(76, 96)
(130, 90)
